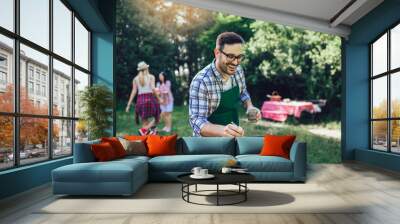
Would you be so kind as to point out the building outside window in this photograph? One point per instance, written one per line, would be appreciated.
(3, 72)
(30, 87)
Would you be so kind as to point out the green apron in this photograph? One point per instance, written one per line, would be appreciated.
(227, 110)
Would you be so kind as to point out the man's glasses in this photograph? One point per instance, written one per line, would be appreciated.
(232, 57)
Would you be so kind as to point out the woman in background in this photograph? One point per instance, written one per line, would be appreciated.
(167, 101)
(147, 105)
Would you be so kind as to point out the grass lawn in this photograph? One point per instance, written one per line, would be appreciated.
(320, 149)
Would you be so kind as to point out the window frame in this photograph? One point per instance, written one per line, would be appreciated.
(16, 114)
(388, 74)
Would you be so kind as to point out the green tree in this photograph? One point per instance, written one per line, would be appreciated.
(300, 64)
(96, 102)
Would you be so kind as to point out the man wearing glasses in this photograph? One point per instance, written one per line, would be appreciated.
(218, 89)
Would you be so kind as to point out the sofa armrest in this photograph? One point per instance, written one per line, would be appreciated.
(298, 155)
(83, 152)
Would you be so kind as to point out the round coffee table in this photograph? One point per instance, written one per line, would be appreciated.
(238, 179)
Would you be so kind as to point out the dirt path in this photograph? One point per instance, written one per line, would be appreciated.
(325, 132)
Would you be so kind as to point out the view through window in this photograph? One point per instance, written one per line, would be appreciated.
(385, 94)
(43, 67)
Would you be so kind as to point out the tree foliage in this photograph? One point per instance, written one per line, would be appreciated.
(299, 64)
(96, 102)
(33, 130)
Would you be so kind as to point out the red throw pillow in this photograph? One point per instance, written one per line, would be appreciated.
(116, 145)
(277, 145)
(161, 145)
(103, 151)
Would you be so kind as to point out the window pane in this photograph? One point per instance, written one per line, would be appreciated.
(379, 55)
(34, 78)
(81, 45)
(6, 142)
(62, 29)
(35, 21)
(33, 139)
(6, 74)
(379, 135)
(81, 131)
(7, 14)
(81, 81)
(395, 136)
(62, 89)
(379, 97)
(62, 138)
(395, 47)
(395, 94)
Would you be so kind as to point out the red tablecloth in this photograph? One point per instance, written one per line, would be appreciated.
(279, 110)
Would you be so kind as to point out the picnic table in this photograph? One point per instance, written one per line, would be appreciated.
(280, 110)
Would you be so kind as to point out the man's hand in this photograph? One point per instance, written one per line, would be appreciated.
(127, 108)
(250, 113)
(232, 130)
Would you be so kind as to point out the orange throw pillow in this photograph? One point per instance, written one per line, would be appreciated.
(161, 145)
(277, 145)
(135, 137)
(116, 145)
(103, 151)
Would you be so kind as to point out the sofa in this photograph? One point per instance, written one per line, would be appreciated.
(126, 175)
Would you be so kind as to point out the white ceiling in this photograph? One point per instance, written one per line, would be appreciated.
(314, 15)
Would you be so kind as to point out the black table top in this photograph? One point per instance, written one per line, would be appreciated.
(220, 178)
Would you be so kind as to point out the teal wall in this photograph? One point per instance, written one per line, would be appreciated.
(99, 15)
(356, 94)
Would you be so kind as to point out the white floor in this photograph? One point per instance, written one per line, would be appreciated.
(378, 190)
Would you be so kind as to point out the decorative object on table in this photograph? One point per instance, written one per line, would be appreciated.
(97, 108)
(200, 173)
(196, 170)
(274, 96)
(226, 170)
(236, 170)
(232, 163)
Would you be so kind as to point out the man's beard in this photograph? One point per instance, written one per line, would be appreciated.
(230, 69)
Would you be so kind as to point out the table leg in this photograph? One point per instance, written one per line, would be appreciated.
(245, 193)
(217, 194)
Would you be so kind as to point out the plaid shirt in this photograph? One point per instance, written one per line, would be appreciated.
(205, 93)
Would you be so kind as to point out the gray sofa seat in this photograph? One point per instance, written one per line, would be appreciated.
(118, 177)
(257, 163)
(184, 163)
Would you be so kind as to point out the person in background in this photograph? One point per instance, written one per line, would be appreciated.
(167, 104)
(216, 91)
(147, 102)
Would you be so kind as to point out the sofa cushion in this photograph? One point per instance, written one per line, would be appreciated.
(136, 147)
(161, 145)
(249, 145)
(277, 145)
(185, 163)
(257, 163)
(116, 145)
(112, 171)
(103, 151)
(206, 145)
